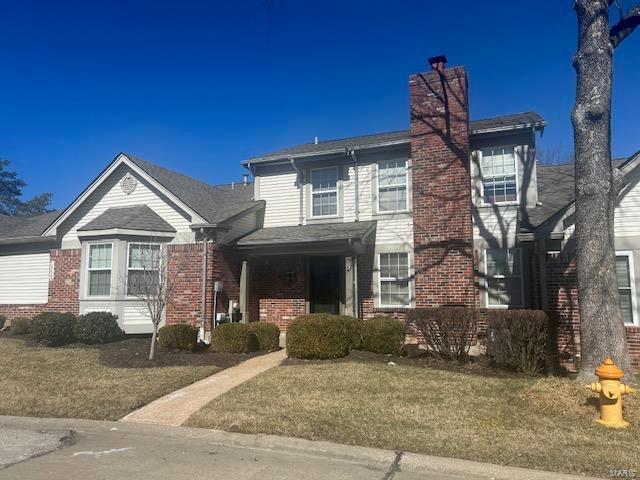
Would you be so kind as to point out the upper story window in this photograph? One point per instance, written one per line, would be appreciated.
(143, 268)
(503, 268)
(499, 175)
(626, 287)
(392, 185)
(394, 280)
(324, 187)
(99, 269)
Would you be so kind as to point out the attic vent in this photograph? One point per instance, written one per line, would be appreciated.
(128, 183)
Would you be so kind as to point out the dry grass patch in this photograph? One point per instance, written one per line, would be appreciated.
(71, 382)
(531, 422)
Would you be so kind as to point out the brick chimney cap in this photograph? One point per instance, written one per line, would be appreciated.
(438, 61)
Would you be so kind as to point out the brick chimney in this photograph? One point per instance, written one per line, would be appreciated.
(442, 224)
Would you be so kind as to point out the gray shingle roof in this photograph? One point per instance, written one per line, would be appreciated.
(503, 122)
(20, 227)
(215, 203)
(308, 233)
(556, 192)
(137, 217)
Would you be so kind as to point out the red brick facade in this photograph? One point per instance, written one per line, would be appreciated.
(184, 269)
(442, 222)
(64, 286)
(271, 300)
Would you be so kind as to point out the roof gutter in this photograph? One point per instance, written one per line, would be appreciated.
(22, 240)
(300, 187)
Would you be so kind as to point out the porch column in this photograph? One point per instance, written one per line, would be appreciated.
(244, 291)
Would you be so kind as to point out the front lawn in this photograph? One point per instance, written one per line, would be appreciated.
(74, 382)
(544, 423)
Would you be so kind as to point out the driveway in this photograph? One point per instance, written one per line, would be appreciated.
(115, 450)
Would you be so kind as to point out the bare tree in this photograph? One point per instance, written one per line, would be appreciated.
(147, 280)
(554, 155)
(597, 184)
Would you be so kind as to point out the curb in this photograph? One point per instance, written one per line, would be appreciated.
(408, 462)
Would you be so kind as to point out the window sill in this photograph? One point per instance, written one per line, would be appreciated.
(499, 204)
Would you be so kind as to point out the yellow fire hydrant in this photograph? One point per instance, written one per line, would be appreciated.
(611, 391)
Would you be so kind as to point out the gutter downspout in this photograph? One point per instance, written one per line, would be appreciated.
(353, 155)
(203, 293)
(300, 186)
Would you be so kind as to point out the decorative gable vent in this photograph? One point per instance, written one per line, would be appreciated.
(128, 183)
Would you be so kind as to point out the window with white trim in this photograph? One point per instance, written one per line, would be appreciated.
(394, 280)
(143, 268)
(626, 287)
(499, 182)
(324, 189)
(503, 269)
(392, 185)
(99, 269)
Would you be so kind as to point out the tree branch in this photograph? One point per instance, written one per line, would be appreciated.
(625, 26)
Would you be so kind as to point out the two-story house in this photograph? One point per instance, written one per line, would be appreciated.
(451, 211)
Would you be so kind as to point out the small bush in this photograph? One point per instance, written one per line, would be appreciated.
(268, 335)
(448, 331)
(97, 327)
(178, 337)
(383, 335)
(20, 326)
(54, 329)
(234, 338)
(517, 339)
(322, 336)
(3, 319)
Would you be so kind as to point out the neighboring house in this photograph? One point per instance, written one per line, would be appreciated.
(448, 212)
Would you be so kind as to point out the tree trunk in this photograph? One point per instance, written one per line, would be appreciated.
(602, 331)
(152, 349)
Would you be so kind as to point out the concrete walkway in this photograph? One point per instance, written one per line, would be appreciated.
(174, 409)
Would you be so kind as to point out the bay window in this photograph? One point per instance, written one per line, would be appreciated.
(394, 280)
(392, 185)
(498, 167)
(99, 268)
(143, 268)
(503, 269)
(324, 187)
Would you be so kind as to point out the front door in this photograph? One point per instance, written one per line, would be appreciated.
(324, 285)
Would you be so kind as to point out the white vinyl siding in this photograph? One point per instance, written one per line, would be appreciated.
(109, 194)
(24, 279)
(394, 280)
(324, 192)
(282, 197)
(99, 267)
(392, 186)
(499, 175)
(503, 269)
(626, 287)
(627, 215)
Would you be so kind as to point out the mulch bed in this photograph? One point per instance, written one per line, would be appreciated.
(133, 352)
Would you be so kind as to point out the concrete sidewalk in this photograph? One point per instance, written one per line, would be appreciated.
(174, 409)
(116, 450)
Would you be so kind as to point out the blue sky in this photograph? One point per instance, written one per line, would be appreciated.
(200, 86)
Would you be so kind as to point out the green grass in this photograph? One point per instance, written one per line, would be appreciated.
(545, 423)
(71, 382)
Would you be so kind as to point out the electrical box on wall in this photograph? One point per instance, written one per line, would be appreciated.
(218, 286)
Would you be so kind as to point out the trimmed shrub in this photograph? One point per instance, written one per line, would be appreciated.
(448, 331)
(3, 319)
(54, 329)
(97, 327)
(178, 337)
(234, 338)
(518, 339)
(268, 335)
(383, 335)
(20, 326)
(322, 336)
